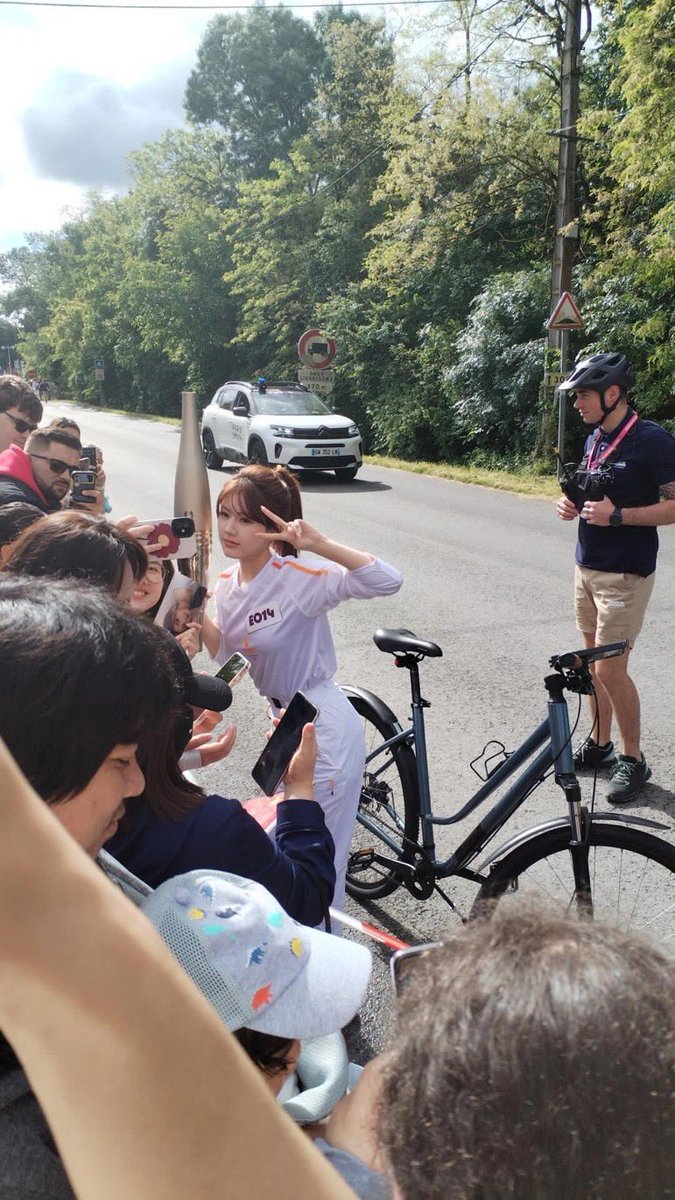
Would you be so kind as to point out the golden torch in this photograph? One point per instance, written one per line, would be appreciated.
(192, 497)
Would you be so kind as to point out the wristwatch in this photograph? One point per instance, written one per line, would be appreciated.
(616, 518)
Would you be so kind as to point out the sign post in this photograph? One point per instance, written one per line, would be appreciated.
(565, 316)
(316, 352)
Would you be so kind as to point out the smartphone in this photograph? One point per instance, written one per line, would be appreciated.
(234, 669)
(91, 454)
(173, 537)
(273, 762)
(83, 480)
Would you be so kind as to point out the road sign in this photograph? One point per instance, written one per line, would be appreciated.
(318, 380)
(553, 378)
(99, 374)
(315, 349)
(565, 315)
(99, 364)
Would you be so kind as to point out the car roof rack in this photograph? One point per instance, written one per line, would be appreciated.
(290, 385)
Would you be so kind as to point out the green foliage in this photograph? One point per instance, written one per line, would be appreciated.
(321, 183)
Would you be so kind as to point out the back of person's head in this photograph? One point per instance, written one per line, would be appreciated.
(79, 675)
(76, 545)
(15, 392)
(16, 517)
(274, 487)
(46, 441)
(534, 1059)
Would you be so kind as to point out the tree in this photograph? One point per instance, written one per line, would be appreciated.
(256, 76)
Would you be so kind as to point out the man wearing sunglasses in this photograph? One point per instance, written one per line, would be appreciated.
(40, 474)
(20, 411)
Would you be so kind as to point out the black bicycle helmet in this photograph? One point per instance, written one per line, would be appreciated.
(597, 373)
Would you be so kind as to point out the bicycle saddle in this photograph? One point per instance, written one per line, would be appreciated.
(403, 641)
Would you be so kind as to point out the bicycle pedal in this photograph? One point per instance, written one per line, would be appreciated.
(362, 859)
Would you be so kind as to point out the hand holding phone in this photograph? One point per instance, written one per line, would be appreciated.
(275, 758)
(83, 480)
(233, 669)
(172, 537)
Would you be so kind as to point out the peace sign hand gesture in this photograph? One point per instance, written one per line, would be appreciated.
(299, 534)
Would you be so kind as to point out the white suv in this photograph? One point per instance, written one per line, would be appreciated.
(274, 422)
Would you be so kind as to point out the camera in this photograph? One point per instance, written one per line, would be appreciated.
(83, 481)
(586, 485)
(182, 527)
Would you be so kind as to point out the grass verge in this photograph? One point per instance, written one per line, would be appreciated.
(526, 483)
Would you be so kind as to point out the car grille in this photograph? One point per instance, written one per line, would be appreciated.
(321, 432)
(323, 464)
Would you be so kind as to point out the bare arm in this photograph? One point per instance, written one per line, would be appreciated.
(96, 1028)
(210, 635)
(598, 512)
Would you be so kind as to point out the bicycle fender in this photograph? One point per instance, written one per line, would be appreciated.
(382, 710)
(559, 823)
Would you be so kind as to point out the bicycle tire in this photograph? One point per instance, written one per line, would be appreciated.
(632, 887)
(390, 801)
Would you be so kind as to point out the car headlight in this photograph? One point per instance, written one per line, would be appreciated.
(353, 431)
(282, 430)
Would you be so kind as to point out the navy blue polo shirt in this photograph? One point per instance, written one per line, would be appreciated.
(643, 461)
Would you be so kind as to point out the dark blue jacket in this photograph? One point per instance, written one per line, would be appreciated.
(297, 867)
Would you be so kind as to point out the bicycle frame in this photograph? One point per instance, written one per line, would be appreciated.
(553, 734)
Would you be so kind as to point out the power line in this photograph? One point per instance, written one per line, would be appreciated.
(211, 7)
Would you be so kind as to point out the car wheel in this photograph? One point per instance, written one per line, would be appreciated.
(257, 453)
(345, 474)
(212, 459)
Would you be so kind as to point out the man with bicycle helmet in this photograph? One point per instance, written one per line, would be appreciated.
(623, 489)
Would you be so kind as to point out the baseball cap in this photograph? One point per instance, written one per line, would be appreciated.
(202, 691)
(255, 965)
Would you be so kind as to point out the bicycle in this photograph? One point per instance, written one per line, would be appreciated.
(604, 863)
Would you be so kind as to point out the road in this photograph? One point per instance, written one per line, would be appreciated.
(488, 575)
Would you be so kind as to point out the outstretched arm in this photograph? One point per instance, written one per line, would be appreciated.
(145, 1091)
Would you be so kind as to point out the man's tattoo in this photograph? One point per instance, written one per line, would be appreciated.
(667, 490)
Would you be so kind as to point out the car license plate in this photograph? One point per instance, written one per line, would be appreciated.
(325, 451)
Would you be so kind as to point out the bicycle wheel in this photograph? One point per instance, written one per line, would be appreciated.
(632, 877)
(389, 800)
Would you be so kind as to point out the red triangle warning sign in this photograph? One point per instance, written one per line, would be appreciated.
(565, 315)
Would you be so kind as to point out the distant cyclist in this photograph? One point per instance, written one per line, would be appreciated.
(625, 488)
(45, 390)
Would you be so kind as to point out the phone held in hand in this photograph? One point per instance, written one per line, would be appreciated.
(275, 758)
(83, 481)
(233, 669)
(171, 537)
(92, 455)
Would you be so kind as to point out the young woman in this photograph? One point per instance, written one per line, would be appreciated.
(272, 606)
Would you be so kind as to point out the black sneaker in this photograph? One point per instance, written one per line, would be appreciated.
(627, 778)
(590, 755)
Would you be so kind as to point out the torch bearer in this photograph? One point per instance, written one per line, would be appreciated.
(192, 497)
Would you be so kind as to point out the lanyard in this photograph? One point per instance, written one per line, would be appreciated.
(599, 460)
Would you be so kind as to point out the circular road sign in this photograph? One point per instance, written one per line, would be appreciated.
(315, 349)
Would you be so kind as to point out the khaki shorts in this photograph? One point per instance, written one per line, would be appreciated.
(611, 605)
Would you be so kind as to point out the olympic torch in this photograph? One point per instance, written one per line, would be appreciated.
(192, 497)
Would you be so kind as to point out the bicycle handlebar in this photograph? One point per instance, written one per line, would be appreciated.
(577, 659)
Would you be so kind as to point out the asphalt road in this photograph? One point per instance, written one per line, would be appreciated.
(488, 576)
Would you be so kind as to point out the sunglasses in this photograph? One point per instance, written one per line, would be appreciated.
(57, 465)
(20, 425)
(403, 962)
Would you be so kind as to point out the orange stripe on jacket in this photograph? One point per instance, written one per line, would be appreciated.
(290, 562)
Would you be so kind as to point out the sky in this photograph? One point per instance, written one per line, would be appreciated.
(82, 88)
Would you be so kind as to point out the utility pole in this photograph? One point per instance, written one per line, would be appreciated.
(566, 223)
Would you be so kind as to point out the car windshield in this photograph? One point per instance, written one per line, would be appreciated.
(289, 404)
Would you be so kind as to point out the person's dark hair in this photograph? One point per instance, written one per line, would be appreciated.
(167, 792)
(15, 392)
(75, 545)
(16, 517)
(40, 440)
(274, 487)
(78, 675)
(269, 1053)
(534, 1059)
(64, 424)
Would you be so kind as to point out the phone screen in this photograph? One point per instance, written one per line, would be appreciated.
(273, 762)
(233, 669)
